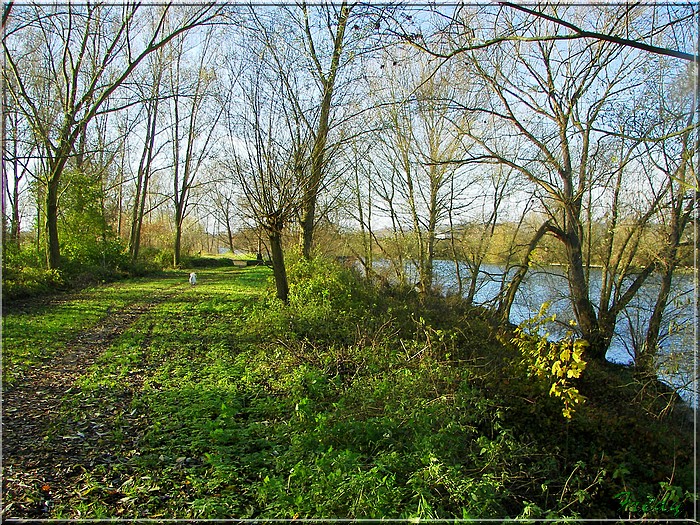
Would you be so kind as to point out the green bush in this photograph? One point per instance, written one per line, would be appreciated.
(328, 303)
(25, 275)
(28, 281)
(143, 268)
(108, 253)
(205, 262)
(150, 260)
(164, 258)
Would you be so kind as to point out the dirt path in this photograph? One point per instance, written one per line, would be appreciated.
(39, 465)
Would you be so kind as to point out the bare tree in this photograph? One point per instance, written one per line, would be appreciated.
(223, 196)
(270, 163)
(361, 208)
(326, 78)
(474, 246)
(151, 94)
(86, 53)
(194, 119)
(673, 154)
(313, 42)
(19, 149)
(556, 97)
(421, 138)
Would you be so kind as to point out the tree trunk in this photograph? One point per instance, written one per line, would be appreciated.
(39, 200)
(3, 188)
(138, 214)
(318, 153)
(278, 267)
(644, 362)
(3, 185)
(144, 175)
(599, 340)
(229, 233)
(136, 230)
(177, 246)
(135, 233)
(473, 281)
(506, 303)
(15, 222)
(15, 219)
(54, 252)
(455, 258)
(432, 227)
(137, 223)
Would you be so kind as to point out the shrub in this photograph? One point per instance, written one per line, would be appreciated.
(106, 253)
(326, 303)
(553, 363)
(205, 262)
(28, 281)
(164, 259)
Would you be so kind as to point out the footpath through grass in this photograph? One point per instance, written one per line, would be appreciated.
(34, 330)
(348, 403)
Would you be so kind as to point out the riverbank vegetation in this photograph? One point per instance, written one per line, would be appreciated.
(447, 152)
(350, 401)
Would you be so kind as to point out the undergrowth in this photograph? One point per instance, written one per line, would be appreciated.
(355, 403)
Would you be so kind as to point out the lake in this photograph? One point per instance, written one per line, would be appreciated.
(549, 284)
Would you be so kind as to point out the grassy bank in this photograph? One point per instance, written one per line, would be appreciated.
(350, 402)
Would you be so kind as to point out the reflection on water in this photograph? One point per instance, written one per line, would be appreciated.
(550, 285)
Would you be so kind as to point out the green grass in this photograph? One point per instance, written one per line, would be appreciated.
(348, 403)
(35, 331)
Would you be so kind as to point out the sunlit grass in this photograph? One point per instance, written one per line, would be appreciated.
(222, 403)
(40, 330)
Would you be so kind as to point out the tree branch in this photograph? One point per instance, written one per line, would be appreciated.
(581, 33)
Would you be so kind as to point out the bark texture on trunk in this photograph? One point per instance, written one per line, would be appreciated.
(278, 268)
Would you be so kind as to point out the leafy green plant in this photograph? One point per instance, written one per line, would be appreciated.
(667, 502)
(554, 363)
(27, 281)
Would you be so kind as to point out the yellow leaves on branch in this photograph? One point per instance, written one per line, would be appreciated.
(553, 362)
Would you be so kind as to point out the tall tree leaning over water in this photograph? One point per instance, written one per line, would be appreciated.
(557, 92)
